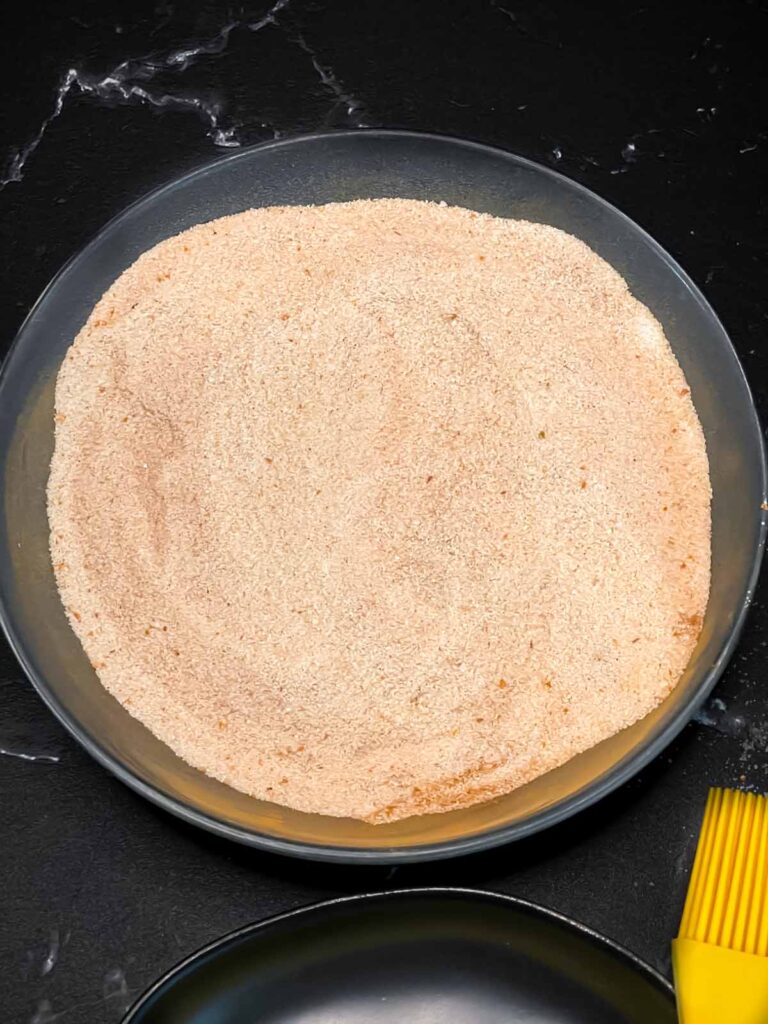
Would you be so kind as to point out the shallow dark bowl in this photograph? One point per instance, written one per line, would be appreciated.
(422, 956)
(335, 167)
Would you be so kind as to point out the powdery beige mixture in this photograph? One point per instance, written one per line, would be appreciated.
(379, 508)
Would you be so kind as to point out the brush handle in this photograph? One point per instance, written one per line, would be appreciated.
(719, 986)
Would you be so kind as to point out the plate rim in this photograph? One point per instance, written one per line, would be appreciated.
(584, 931)
(593, 792)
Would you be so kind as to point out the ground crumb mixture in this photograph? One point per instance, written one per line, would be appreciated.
(379, 508)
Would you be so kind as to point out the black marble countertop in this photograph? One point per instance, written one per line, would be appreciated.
(658, 107)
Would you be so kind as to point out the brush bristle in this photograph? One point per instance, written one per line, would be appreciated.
(727, 902)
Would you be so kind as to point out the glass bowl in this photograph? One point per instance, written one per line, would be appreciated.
(330, 168)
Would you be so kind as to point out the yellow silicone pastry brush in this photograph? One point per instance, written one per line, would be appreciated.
(720, 957)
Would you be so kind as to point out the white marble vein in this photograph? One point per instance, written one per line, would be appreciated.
(270, 18)
(52, 955)
(117, 87)
(130, 82)
(50, 758)
(44, 1013)
(184, 57)
(133, 82)
(20, 157)
(115, 988)
(353, 107)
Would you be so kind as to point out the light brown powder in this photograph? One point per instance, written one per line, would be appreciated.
(379, 508)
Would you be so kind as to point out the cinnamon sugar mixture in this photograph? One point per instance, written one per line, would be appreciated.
(378, 508)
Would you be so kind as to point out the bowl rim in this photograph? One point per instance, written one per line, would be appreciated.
(594, 791)
(503, 899)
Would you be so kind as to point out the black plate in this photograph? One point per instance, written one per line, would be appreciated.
(335, 167)
(421, 956)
